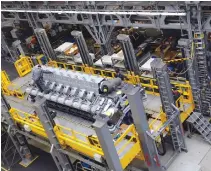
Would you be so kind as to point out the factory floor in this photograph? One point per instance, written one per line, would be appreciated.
(44, 162)
(197, 158)
(10, 69)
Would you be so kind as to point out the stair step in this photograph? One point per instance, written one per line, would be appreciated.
(209, 136)
(201, 124)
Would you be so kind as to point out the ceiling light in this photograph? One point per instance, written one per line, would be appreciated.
(147, 13)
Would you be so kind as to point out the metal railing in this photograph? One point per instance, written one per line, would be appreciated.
(23, 66)
(81, 142)
(31, 120)
(9, 88)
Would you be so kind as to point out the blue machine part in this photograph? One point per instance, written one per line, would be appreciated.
(44, 60)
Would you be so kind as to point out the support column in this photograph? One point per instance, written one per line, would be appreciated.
(160, 73)
(18, 140)
(5, 47)
(107, 144)
(17, 46)
(106, 48)
(129, 54)
(45, 43)
(100, 33)
(41, 37)
(190, 63)
(106, 32)
(61, 160)
(142, 127)
(84, 53)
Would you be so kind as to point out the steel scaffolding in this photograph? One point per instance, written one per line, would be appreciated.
(17, 139)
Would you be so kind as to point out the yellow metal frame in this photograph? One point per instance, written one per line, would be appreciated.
(39, 59)
(5, 81)
(149, 83)
(183, 116)
(176, 60)
(8, 88)
(23, 66)
(29, 119)
(91, 145)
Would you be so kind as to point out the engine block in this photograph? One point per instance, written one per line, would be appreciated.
(83, 95)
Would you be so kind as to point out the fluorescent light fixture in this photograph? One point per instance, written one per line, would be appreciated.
(143, 13)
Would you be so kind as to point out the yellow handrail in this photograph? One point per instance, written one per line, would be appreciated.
(9, 88)
(23, 66)
(25, 116)
(74, 137)
(130, 129)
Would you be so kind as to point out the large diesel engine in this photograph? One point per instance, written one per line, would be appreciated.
(84, 95)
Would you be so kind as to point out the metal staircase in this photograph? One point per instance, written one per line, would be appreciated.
(194, 86)
(175, 126)
(198, 72)
(160, 72)
(202, 72)
(201, 62)
(9, 153)
(17, 139)
(201, 124)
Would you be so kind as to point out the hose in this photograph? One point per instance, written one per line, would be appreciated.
(163, 152)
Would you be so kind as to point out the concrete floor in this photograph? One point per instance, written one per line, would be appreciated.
(10, 69)
(44, 162)
(198, 157)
